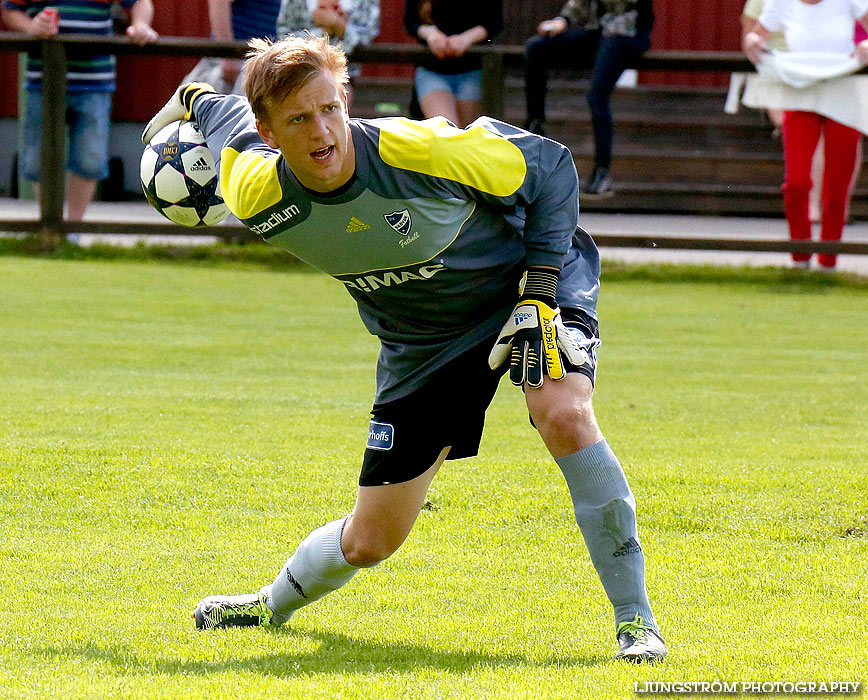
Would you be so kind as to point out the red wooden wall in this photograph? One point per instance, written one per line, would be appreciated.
(694, 25)
(144, 83)
(8, 83)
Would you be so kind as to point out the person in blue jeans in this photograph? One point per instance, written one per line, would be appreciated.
(448, 83)
(90, 81)
(608, 35)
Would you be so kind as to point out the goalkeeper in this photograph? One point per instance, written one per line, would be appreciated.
(462, 253)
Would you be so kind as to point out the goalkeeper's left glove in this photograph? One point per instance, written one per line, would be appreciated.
(534, 336)
(179, 106)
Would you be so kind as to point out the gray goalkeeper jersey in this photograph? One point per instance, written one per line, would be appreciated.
(430, 236)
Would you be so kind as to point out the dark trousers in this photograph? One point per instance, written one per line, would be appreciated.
(607, 57)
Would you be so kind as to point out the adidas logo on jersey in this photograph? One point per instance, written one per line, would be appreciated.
(199, 165)
(631, 546)
(356, 225)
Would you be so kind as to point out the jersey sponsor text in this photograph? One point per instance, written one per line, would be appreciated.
(381, 436)
(277, 218)
(370, 283)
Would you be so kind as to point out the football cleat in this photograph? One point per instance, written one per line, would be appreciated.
(639, 643)
(248, 610)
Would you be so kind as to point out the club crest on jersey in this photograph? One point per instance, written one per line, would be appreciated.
(400, 221)
(381, 436)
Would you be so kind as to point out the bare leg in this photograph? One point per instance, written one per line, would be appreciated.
(383, 517)
(79, 194)
(332, 554)
(564, 415)
(439, 103)
(468, 110)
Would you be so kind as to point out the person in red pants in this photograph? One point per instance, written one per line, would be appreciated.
(815, 26)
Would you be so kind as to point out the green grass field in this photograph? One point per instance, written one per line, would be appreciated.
(171, 431)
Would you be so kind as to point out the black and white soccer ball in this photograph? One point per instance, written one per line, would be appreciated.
(179, 177)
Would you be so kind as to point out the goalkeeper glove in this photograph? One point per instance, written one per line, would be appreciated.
(179, 106)
(534, 336)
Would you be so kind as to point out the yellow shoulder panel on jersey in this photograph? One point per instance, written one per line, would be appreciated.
(473, 157)
(249, 182)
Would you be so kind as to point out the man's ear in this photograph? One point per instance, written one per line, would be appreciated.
(265, 132)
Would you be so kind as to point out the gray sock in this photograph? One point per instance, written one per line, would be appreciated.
(317, 567)
(606, 514)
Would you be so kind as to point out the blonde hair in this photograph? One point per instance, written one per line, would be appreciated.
(275, 69)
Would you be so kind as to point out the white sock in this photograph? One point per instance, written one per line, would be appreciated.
(317, 567)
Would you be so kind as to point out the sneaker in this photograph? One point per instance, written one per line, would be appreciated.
(801, 264)
(639, 643)
(248, 610)
(536, 126)
(599, 185)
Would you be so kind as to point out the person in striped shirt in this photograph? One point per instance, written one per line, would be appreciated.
(90, 83)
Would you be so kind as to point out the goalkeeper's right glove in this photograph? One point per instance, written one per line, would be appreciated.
(179, 106)
(530, 336)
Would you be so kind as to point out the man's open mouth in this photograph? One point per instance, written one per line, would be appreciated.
(322, 153)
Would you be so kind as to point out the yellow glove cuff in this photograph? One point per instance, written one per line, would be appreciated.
(189, 95)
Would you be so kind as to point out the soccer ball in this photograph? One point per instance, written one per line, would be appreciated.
(179, 176)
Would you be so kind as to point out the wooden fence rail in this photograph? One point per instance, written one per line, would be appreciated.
(495, 58)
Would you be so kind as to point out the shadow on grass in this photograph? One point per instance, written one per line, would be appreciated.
(334, 653)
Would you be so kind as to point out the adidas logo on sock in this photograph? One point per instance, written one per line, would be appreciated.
(199, 165)
(295, 584)
(631, 546)
(356, 225)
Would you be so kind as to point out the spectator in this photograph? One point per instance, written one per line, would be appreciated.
(776, 41)
(90, 84)
(351, 23)
(234, 20)
(610, 34)
(812, 27)
(449, 83)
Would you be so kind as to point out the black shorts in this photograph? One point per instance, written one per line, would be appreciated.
(407, 435)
